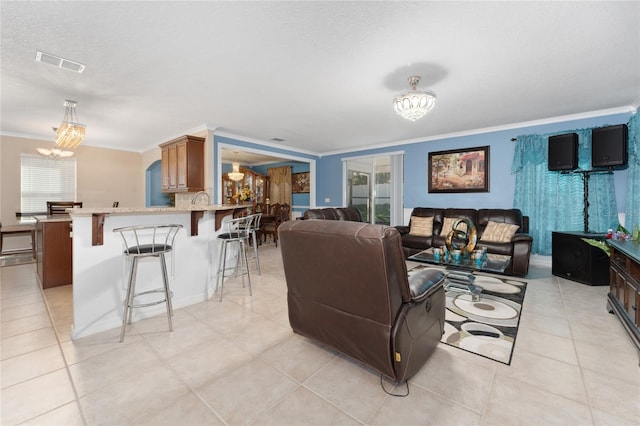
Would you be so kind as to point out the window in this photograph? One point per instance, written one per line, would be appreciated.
(374, 186)
(45, 179)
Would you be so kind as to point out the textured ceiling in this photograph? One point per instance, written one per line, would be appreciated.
(320, 75)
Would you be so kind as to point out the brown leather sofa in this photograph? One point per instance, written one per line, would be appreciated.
(331, 213)
(518, 247)
(348, 289)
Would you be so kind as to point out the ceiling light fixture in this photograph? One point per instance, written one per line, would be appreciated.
(414, 104)
(236, 175)
(70, 133)
(54, 153)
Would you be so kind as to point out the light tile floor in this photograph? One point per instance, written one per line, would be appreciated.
(238, 362)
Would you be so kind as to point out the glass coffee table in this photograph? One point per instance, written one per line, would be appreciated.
(496, 263)
(460, 273)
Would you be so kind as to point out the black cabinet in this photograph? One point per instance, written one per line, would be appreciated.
(574, 259)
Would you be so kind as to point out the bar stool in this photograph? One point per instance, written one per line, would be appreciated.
(254, 234)
(237, 232)
(147, 241)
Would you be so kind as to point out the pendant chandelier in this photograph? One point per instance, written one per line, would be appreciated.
(54, 153)
(235, 174)
(70, 134)
(414, 104)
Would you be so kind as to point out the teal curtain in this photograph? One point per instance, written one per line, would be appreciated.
(555, 201)
(632, 213)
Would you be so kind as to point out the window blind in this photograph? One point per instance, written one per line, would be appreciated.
(45, 179)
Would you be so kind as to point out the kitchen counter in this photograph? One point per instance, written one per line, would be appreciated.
(100, 270)
(196, 210)
(84, 211)
(54, 218)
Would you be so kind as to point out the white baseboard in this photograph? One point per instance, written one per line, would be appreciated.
(539, 260)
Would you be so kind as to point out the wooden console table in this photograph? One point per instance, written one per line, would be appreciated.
(624, 297)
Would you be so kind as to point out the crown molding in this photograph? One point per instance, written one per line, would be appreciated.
(540, 122)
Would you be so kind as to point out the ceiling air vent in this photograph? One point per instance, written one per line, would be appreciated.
(59, 62)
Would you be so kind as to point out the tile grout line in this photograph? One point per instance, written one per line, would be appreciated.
(575, 349)
(64, 358)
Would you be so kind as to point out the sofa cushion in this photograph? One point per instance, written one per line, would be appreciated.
(447, 226)
(499, 232)
(421, 226)
(513, 216)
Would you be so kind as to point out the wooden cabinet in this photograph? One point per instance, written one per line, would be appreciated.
(54, 254)
(258, 184)
(624, 295)
(262, 189)
(183, 164)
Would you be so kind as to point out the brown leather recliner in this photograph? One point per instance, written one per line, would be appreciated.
(348, 289)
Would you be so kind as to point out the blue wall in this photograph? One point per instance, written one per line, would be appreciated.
(154, 194)
(501, 181)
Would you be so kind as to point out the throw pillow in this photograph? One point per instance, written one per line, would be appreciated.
(499, 232)
(447, 226)
(422, 226)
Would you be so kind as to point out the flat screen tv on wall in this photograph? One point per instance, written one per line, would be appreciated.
(609, 146)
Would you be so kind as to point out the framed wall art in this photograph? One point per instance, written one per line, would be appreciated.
(459, 170)
(300, 182)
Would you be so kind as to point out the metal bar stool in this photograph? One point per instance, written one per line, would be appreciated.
(147, 241)
(237, 231)
(254, 231)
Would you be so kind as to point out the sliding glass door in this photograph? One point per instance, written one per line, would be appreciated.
(373, 185)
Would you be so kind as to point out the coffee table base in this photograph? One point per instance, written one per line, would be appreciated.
(462, 282)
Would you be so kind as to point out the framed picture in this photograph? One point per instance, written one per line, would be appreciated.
(300, 182)
(459, 170)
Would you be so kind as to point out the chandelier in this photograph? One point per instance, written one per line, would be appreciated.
(70, 134)
(414, 104)
(54, 153)
(236, 174)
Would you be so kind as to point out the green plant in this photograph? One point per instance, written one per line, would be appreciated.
(622, 232)
(600, 244)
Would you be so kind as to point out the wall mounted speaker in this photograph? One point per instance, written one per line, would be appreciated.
(563, 152)
(609, 146)
(576, 260)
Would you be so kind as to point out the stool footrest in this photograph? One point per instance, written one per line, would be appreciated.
(157, 302)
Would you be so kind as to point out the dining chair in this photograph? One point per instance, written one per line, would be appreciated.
(281, 214)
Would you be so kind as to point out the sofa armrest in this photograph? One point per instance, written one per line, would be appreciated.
(424, 283)
(521, 237)
(403, 229)
(521, 253)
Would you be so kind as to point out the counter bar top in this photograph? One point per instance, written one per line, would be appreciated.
(197, 211)
(54, 218)
(84, 211)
